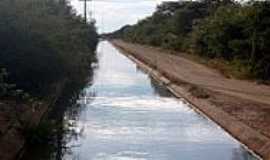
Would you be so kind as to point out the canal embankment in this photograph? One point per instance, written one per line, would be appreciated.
(240, 107)
(17, 117)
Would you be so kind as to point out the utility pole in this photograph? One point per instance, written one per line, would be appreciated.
(85, 9)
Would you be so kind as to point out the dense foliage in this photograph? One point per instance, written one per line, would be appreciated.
(238, 33)
(4, 86)
(44, 42)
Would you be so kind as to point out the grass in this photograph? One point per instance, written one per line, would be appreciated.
(199, 92)
(233, 69)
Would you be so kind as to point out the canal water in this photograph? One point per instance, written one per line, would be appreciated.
(125, 115)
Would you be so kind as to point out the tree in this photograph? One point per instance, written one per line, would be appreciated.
(44, 42)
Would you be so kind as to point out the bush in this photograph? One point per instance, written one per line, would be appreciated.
(235, 32)
(44, 133)
(44, 42)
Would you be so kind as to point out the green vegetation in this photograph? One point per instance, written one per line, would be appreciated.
(43, 43)
(236, 34)
(42, 134)
(44, 47)
(4, 86)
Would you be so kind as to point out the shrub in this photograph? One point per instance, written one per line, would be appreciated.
(44, 42)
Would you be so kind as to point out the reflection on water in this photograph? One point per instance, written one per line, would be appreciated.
(124, 115)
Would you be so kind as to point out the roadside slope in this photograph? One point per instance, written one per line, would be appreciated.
(240, 107)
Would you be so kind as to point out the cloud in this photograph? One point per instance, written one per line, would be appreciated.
(113, 14)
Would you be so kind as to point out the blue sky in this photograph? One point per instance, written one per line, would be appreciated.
(112, 14)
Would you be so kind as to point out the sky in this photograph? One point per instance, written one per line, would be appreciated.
(111, 15)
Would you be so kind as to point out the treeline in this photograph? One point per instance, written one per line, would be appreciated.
(236, 33)
(43, 42)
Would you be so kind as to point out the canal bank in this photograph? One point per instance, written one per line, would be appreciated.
(202, 102)
(17, 118)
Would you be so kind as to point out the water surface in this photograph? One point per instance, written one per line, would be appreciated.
(129, 117)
